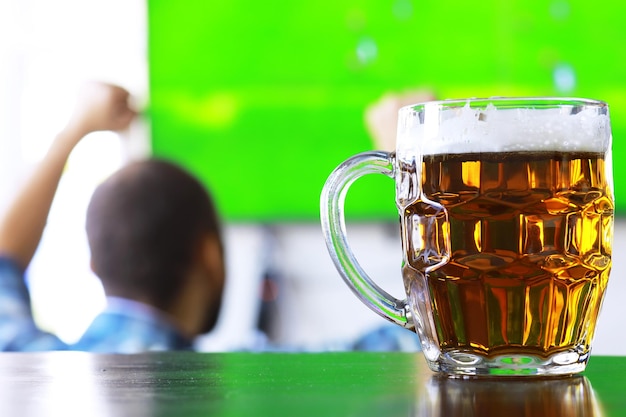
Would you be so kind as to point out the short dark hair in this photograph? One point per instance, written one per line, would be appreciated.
(144, 225)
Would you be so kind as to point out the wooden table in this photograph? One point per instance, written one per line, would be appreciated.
(284, 384)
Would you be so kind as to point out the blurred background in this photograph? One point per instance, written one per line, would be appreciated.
(262, 100)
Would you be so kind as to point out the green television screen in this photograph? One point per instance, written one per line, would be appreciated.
(263, 99)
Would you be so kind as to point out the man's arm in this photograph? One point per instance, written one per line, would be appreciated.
(381, 117)
(99, 107)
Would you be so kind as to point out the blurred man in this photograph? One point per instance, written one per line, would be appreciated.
(154, 237)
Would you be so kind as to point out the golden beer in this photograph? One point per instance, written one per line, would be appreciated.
(522, 260)
(506, 218)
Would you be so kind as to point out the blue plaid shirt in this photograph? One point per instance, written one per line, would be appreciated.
(124, 326)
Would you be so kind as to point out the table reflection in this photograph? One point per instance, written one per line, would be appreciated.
(276, 384)
(568, 396)
(61, 383)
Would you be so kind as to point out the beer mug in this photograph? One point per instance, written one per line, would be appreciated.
(506, 220)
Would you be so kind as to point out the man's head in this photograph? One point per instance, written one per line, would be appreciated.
(153, 231)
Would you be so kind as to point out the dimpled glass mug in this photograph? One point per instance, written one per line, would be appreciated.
(506, 218)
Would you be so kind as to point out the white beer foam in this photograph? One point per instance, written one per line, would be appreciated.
(471, 130)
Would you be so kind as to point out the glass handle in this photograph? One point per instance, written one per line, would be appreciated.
(334, 229)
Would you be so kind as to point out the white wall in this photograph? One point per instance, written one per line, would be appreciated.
(47, 49)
